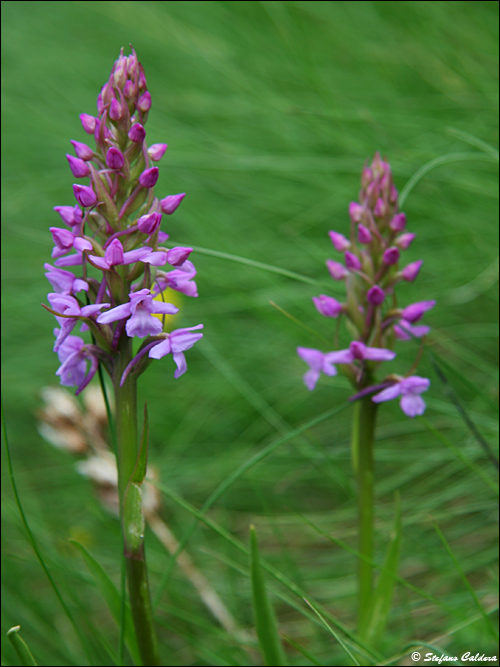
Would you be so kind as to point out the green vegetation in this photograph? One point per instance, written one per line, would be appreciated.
(270, 110)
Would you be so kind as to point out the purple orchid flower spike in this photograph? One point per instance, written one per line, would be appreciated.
(372, 251)
(371, 273)
(113, 232)
(115, 229)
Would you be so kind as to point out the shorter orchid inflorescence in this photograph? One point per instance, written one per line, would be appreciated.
(113, 236)
(371, 274)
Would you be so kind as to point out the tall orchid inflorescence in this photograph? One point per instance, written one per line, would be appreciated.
(371, 273)
(113, 236)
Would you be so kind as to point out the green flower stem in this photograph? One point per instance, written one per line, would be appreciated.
(135, 563)
(363, 432)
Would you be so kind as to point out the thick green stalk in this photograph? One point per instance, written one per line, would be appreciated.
(363, 433)
(133, 521)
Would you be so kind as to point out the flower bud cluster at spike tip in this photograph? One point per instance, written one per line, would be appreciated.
(371, 273)
(113, 244)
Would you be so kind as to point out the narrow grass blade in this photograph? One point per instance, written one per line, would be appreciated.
(382, 597)
(452, 395)
(300, 649)
(442, 159)
(332, 631)
(473, 141)
(461, 573)
(459, 454)
(265, 619)
(230, 479)
(21, 648)
(256, 265)
(112, 598)
(360, 645)
(443, 638)
(34, 545)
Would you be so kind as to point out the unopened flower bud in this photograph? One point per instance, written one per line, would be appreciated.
(355, 211)
(393, 194)
(380, 208)
(170, 203)
(149, 177)
(79, 168)
(337, 270)
(128, 90)
(144, 102)
(372, 192)
(366, 176)
(376, 295)
(137, 133)
(157, 151)
(101, 132)
(114, 159)
(414, 311)
(115, 110)
(132, 65)
(398, 223)
(88, 122)
(84, 195)
(82, 151)
(100, 104)
(120, 71)
(364, 234)
(149, 223)
(327, 305)
(404, 241)
(352, 261)
(391, 256)
(411, 271)
(339, 241)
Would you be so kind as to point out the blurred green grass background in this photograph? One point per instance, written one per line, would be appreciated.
(270, 110)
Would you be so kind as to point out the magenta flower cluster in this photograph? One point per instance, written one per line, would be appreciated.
(112, 236)
(371, 272)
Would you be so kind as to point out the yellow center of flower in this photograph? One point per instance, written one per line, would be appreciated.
(168, 296)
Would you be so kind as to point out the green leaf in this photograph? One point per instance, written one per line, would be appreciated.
(23, 653)
(112, 597)
(382, 597)
(265, 619)
(133, 521)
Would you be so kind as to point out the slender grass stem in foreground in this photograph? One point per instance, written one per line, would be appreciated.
(371, 273)
(114, 238)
